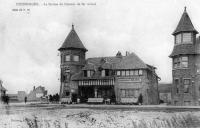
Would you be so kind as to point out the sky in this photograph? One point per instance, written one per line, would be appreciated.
(29, 41)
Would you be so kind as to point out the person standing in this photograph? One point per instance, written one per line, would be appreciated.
(25, 99)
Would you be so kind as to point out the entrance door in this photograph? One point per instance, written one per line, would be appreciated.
(85, 93)
(74, 97)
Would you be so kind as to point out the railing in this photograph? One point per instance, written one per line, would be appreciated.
(96, 82)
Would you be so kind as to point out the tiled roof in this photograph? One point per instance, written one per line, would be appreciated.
(185, 24)
(183, 49)
(131, 61)
(97, 60)
(89, 66)
(72, 41)
(164, 88)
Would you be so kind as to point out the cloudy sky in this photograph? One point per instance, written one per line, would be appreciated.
(29, 41)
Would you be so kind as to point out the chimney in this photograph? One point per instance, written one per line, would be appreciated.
(119, 54)
(33, 87)
(127, 53)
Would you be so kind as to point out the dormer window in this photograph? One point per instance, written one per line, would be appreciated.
(187, 37)
(178, 39)
(105, 72)
(85, 73)
(88, 73)
(183, 38)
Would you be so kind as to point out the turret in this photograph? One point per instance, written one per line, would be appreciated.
(72, 54)
(183, 61)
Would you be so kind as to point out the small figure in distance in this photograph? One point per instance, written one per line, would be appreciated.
(25, 99)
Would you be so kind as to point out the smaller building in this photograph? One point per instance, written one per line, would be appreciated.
(164, 90)
(21, 96)
(37, 94)
(13, 97)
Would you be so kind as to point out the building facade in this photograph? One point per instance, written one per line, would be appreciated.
(186, 63)
(120, 79)
(37, 94)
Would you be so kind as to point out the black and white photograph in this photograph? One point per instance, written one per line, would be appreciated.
(99, 64)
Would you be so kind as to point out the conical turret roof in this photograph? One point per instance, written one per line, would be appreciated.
(72, 41)
(185, 24)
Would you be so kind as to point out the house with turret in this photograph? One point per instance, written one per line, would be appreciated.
(185, 63)
(119, 78)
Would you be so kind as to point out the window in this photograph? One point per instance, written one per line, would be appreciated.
(184, 62)
(123, 93)
(187, 103)
(187, 37)
(131, 72)
(118, 73)
(128, 93)
(131, 93)
(123, 73)
(181, 62)
(106, 72)
(127, 73)
(67, 58)
(183, 38)
(176, 82)
(76, 58)
(140, 72)
(91, 72)
(186, 83)
(176, 102)
(103, 73)
(178, 39)
(85, 73)
(176, 62)
(67, 93)
(136, 72)
(88, 73)
(136, 93)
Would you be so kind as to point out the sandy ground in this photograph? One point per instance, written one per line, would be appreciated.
(95, 116)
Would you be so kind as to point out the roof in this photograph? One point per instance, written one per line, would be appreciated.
(72, 41)
(183, 49)
(185, 24)
(132, 61)
(164, 87)
(97, 61)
